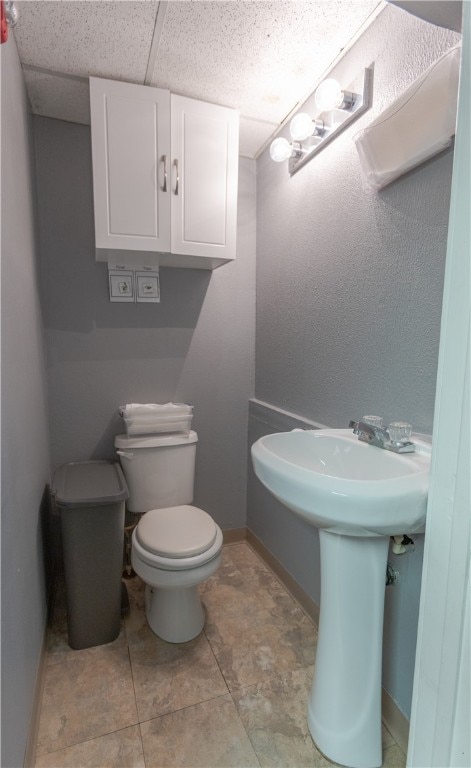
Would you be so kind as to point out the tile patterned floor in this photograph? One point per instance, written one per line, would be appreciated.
(233, 697)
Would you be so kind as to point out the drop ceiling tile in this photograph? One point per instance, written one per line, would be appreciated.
(261, 56)
(64, 98)
(106, 39)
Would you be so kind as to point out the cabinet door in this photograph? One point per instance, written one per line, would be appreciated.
(205, 149)
(130, 127)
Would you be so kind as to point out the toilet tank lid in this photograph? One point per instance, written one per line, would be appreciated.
(126, 442)
(89, 483)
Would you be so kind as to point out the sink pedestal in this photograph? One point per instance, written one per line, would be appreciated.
(357, 495)
(344, 711)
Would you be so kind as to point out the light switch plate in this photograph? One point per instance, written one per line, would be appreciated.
(121, 285)
(147, 287)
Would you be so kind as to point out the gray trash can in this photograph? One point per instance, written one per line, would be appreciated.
(91, 498)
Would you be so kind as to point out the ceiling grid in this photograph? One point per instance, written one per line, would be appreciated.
(258, 56)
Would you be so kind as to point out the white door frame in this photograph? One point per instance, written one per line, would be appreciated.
(439, 729)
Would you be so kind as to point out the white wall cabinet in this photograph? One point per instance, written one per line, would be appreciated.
(165, 173)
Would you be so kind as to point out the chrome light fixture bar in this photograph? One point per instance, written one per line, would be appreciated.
(334, 110)
(11, 13)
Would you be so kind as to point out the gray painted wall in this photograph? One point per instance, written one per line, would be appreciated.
(25, 444)
(196, 346)
(349, 286)
(350, 281)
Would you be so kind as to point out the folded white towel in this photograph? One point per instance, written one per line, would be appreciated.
(155, 427)
(155, 409)
(158, 418)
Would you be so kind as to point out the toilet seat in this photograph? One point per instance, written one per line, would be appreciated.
(177, 538)
(182, 531)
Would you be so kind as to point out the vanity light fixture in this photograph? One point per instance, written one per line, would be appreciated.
(333, 108)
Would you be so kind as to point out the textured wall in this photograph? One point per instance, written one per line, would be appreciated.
(349, 286)
(197, 345)
(25, 449)
(292, 540)
(349, 281)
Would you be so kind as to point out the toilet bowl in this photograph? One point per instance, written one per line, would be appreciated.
(174, 549)
(175, 546)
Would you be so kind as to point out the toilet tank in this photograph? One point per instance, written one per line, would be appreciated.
(159, 469)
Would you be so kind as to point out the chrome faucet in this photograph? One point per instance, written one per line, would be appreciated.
(389, 438)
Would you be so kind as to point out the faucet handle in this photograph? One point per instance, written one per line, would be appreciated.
(373, 421)
(400, 431)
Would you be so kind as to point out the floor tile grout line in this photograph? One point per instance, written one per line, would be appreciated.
(190, 706)
(179, 709)
(87, 741)
(133, 687)
(269, 679)
(213, 698)
(142, 745)
(239, 545)
(182, 709)
(265, 568)
(208, 640)
(239, 568)
(216, 660)
(49, 666)
(72, 657)
(135, 697)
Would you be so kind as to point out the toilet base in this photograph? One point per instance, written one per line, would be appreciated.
(175, 615)
(173, 607)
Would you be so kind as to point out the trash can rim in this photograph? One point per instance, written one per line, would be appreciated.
(92, 483)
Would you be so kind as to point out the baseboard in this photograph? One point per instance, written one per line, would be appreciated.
(395, 721)
(33, 732)
(234, 535)
(307, 603)
(30, 752)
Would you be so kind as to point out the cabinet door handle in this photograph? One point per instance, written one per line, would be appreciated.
(177, 177)
(164, 161)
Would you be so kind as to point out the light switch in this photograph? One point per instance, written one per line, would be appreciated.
(121, 285)
(147, 287)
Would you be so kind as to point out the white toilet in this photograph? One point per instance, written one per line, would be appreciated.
(175, 546)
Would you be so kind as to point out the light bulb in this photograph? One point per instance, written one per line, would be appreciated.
(280, 149)
(329, 95)
(301, 126)
(11, 13)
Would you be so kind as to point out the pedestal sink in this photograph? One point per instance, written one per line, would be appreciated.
(358, 496)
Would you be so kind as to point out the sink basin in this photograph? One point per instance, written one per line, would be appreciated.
(340, 484)
(358, 496)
